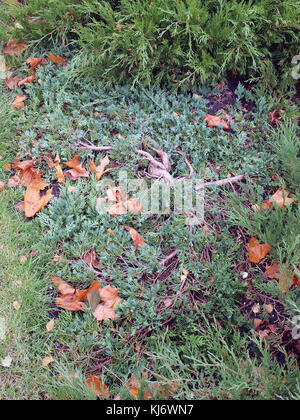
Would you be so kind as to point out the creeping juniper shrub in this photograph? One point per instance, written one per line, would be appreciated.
(182, 341)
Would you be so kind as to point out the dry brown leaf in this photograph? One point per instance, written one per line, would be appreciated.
(50, 325)
(92, 259)
(34, 201)
(28, 79)
(285, 275)
(77, 170)
(155, 391)
(215, 121)
(56, 59)
(137, 239)
(47, 360)
(257, 251)
(99, 170)
(72, 299)
(18, 102)
(59, 172)
(97, 386)
(109, 296)
(12, 82)
(257, 323)
(123, 202)
(34, 62)
(279, 197)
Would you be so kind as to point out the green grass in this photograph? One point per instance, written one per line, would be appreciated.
(205, 340)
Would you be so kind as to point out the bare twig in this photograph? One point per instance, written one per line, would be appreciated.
(161, 166)
(223, 181)
(168, 258)
(92, 147)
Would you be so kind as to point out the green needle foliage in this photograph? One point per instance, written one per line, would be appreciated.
(178, 43)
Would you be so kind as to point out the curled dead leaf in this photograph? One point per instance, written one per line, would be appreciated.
(257, 251)
(77, 170)
(34, 62)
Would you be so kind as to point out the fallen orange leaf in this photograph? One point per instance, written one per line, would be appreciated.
(34, 201)
(97, 386)
(285, 275)
(77, 170)
(109, 296)
(257, 251)
(59, 172)
(155, 389)
(123, 202)
(34, 62)
(47, 360)
(56, 59)
(50, 325)
(72, 299)
(91, 258)
(215, 121)
(279, 197)
(28, 79)
(18, 102)
(137, 239)
(99, 170)
(12, 82)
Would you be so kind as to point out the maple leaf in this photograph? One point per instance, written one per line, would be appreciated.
(72, 299)
(99, 170)
(137, 239)
(257, 251)
(34, 62)
(97, 386)
(18, 102)
(56, 59)
(77, 170)
(13, 48)
(215, 121)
